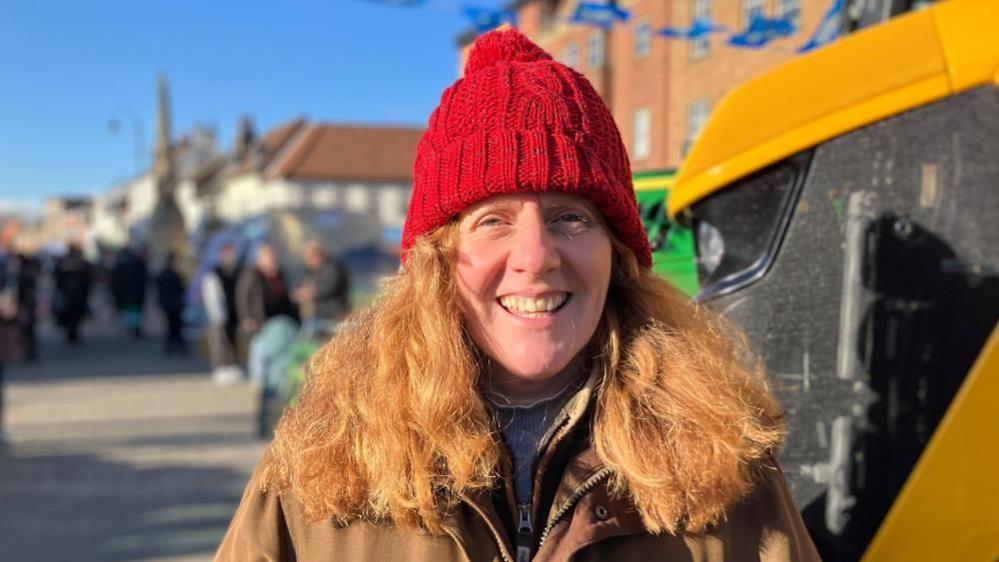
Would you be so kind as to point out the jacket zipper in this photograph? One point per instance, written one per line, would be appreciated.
(525, 532)
(500, 543)
(525, 528)
(581, 491)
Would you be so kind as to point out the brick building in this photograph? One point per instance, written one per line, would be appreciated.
(662, 90)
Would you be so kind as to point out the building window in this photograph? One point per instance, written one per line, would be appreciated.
(403, 199)
(595, 50)
(750, 9)
(700, 47)
(697, 116)
(642, 140)
(643, 39)
(323, 197)
(358, 199)
(789, 10)
(570, 57)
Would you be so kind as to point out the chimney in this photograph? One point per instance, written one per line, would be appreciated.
(244, 137)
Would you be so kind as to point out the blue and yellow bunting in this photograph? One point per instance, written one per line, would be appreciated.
(829, 29)
(698, 29)
(486, 19)
(761, 31)
(599, 14)
(606, 14)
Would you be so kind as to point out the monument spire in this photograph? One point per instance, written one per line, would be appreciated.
(162, 156)
(166, 227)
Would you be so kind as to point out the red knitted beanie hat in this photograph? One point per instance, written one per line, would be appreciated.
(519, 121)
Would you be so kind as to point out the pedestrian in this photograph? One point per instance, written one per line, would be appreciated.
(10, 347)
(323, 296)
(218, 293)
(72, 282)
(261, 294)
(129, 281)
(5, 439)
(26, 279)
(526, 388)
(170, 295)
(6, 352)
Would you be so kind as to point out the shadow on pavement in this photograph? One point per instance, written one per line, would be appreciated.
(170, 431)
(103, 352)
(83, 508)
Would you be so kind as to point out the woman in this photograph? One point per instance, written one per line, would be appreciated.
(72, 281)
(262, 295)
(526, 388)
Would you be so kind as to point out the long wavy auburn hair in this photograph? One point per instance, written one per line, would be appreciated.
(391, 426)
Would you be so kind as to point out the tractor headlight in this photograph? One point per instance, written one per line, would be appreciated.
(710, 249)
(738, 229)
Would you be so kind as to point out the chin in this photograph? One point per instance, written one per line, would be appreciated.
(538, 368)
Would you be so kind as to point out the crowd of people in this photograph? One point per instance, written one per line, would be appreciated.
(19, 275)
(238, 300)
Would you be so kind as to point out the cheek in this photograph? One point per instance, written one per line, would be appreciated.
(478, 275)
(602, 272)
(592, 264)
(479, 315)
(593, 269)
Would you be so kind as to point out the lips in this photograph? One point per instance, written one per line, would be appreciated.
(534, 307)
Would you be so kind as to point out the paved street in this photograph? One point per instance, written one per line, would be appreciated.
(120, 453)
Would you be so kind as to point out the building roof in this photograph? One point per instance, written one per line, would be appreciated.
(212, 170)
(270, 146)
(350, 152)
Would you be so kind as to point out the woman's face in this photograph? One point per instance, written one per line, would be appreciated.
(533, 272)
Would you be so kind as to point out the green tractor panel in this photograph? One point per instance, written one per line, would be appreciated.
(672, 244)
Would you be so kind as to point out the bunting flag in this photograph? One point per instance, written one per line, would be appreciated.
(604, 14)
(761, 30)
(599, 14)
(486, 19)
(829, 30)
(698, 29)
(702, 27)
(672, 32)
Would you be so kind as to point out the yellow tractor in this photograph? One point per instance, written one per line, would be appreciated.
(845, 211)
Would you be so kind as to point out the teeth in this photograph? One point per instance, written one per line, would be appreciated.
(532, 306)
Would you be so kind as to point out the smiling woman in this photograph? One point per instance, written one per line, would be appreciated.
(525, 388)
(533, 272)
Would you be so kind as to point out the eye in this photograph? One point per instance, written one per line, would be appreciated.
(573, 217)
(489, 221)
(492, 224)
(571, 222)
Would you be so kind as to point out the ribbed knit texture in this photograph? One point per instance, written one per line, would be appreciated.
(519, 121)
(523, 428)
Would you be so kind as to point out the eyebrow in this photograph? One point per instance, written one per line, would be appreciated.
(566, 203)
(493, 206)
(570, 204)
(557, 205)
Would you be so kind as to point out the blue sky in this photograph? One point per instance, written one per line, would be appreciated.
(69, 67)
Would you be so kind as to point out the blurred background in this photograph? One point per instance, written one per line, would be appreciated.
(193, 195)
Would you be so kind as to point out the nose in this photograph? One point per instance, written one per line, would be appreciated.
(534, 250)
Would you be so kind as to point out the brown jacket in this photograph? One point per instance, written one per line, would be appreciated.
(585, 522)
(765, 527)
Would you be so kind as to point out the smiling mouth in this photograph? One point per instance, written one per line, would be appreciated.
(534, 307)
